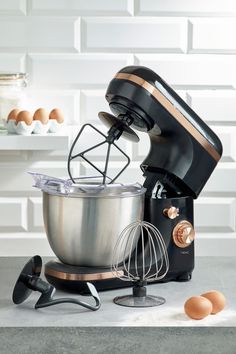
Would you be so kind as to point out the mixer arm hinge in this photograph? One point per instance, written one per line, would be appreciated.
(155, 188)
(158, 191)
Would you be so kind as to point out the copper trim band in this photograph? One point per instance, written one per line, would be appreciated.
(172, 110)
(80, 277)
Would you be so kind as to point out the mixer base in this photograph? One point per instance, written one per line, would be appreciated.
(73, 278)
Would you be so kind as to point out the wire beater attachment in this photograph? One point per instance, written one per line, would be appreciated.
(141, 253)
(117, 127)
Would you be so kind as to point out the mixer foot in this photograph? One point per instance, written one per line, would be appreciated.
(184, 277)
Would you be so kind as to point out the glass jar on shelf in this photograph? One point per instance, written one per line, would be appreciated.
(12, 93)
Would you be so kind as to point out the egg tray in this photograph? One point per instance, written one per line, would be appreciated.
(36, 127)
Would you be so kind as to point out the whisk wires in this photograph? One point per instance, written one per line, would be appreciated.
(141, 253)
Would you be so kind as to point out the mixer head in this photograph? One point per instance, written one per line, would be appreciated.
(184, 150)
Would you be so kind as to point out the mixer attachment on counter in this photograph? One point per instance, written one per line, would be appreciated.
(29, 280)
(117, 127)
(144, 257)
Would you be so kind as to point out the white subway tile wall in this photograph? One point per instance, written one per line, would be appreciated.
(13, 214)
(12, 62)
(216, 41)
(191, 70)
(186, 7)
(73, 71)
(72, 49)
(81, 7)
(127, 34)
(39, 34)
(13, 7)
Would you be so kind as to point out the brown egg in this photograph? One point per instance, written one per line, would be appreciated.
(57, 114)
(217, 299)
(24, 116)
(13, 114)
(197, 307)
(42, 115)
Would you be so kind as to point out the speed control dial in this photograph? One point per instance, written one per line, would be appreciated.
(183, 234)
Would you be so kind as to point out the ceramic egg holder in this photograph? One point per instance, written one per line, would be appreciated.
(36, 127)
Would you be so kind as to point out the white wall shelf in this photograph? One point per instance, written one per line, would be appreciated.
(34, 142)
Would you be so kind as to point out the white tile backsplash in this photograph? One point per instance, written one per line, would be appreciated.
(13, 213)
(221, 217)
(191, 69)
(92, 102)
(40, 34)
(81, 7)
(36, 213)
(12, 62)
(128, 35)
(214, 106)
(219, 35)
(186, 7)
(223, 180)
(13, 7)
(72, 49)
(67, 71)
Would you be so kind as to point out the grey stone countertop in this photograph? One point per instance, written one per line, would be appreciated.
(210, 273)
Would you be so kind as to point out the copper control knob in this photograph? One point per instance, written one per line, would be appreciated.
(183, 234)
(171, 212)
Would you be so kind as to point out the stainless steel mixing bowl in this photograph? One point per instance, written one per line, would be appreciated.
(83, 226)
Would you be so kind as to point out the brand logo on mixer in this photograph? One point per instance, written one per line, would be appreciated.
(184, 252)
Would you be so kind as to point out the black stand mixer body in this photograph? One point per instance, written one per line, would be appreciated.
(183, 153)
(181, 259)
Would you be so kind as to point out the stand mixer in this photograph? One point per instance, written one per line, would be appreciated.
(183, 153)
